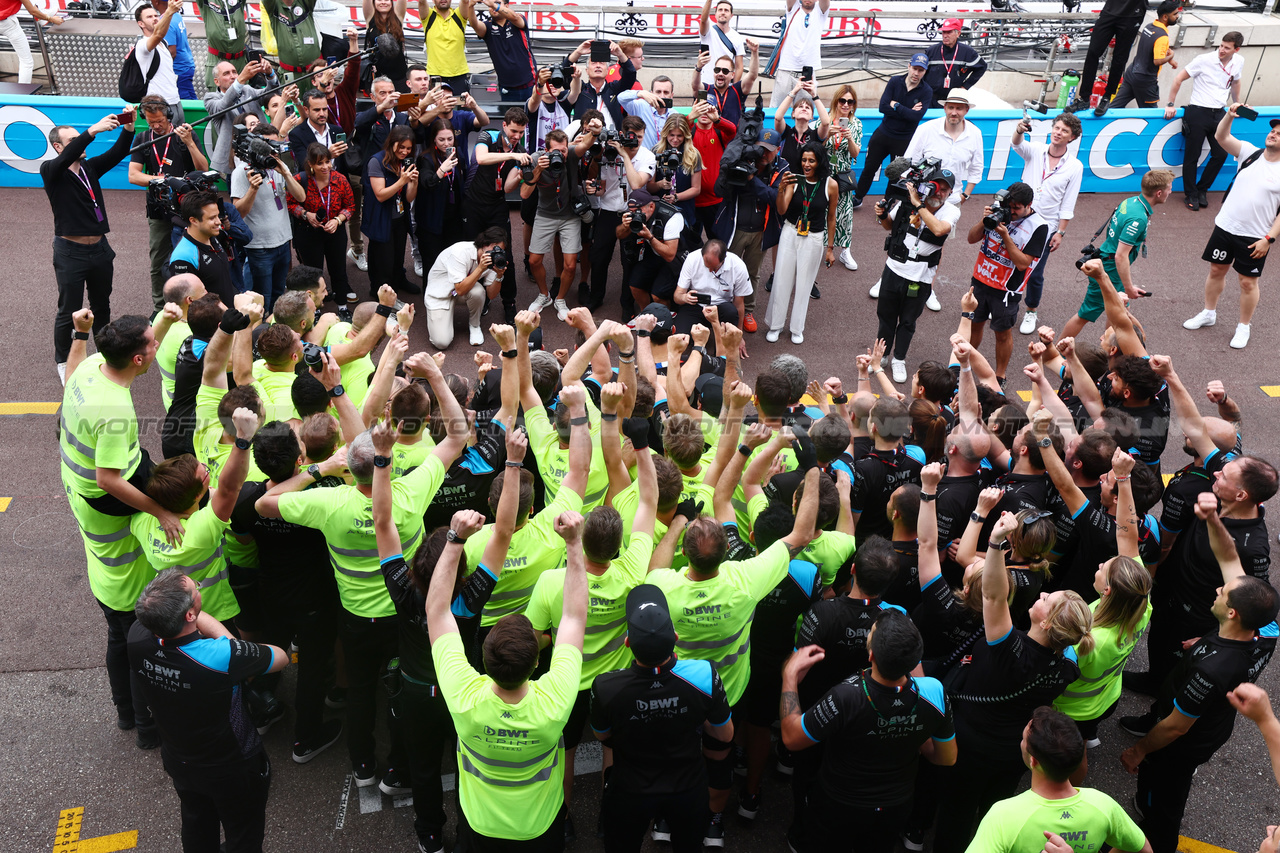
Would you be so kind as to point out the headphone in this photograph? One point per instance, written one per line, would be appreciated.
(157, 101)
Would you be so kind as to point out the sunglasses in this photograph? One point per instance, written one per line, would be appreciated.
(724, 70)
(845, 101)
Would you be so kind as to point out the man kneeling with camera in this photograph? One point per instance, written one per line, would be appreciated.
(468, 271)
(649, 236)
(919, 217)
(1013, 238)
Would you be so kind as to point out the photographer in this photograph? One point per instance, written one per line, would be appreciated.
(551, 102)
(232, 92)
(199, 251)
(677, 176)
(391, 186)
(1013, 237)
(329, 204)
(467, 271)
(437, 211)
(554, 178)
(1126, 236)
(717, 277)
(747, 219)
(1055, 174)
(496, 155)
(917, 229)
(261, 190)
(625, 164)
(175, 156)
(650, 244)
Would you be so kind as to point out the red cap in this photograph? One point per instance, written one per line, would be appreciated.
(952, 24)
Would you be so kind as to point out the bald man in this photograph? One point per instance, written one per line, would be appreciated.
(181, 290)
(233, 90)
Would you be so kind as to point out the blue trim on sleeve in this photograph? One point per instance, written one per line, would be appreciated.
(1076, 514)
(601, 731)
(944, 739)
(1002, 639)
(210, 652)
(1153, 526)
(386, 560)
(916, 452)
(1070, 654)
(930, 690)
(805, 729)
(936, 578)
(695, 672)
(271, 652)
(725, 721)
(488, 571)
(458, 607)
(1184, 713)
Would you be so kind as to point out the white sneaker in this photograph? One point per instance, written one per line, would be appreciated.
(772, 335)
(847, 259)
(417, 267)
(477, 336)
(1204, 318)
(562, 310)
(932, 302)
(899, 370)
(1029, 321)
(874, 292)
(1241, 338)
(1092, 743)
(541, 302)
(797, 338)
(361, 260)
(62, 372)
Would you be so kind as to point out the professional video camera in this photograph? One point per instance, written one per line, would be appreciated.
(668, 163)
(164, 195)
(999, 211)
(742, 155)
(255, 150)
(903, 174)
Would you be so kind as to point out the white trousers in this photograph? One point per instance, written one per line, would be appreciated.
(440, 320)
(11, 30)
(797, 270)
(783, 83)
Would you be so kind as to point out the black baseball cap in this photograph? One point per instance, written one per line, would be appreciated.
(665, 322)
(649, 630)
(708, 390)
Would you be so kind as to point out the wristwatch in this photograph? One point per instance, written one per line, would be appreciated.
(242, 443)
(1045, 442)
(1270, 239)
(973, 516)
(313, 471)
(968, 315)
(1170, 103)
(926, 497)
(337, 391)
(452, 536)
(382, 461)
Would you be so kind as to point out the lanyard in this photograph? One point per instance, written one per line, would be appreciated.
(1046, 175)
(88, 188)
(942, 54)
(161, 161)
(805, 201)
(337, 113)
(324, 198)
(720, 102)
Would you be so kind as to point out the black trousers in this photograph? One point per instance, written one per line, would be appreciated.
(1164, 783)
(479, 219)
(603, 242)
(898, 311)
(1164, 641)
(550, 841)
(78, 268)
(421, 711)
(688, 316)
(367, 645)
(430, 245)
(386, 258)
(1124, 31)
(969, 790)
(881, 147)
(232, 796)
(1147, 94)
(626, 815)
(874, 830)
(1200, 124)
(317, 249)
(313, 621)
(119, 673)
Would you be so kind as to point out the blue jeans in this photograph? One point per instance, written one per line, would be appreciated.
(1035, 282)
(515, 94)
(269, 268)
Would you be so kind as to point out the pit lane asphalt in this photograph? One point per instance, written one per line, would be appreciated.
(59, 748)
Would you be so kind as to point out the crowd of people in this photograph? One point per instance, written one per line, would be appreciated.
(902, 587)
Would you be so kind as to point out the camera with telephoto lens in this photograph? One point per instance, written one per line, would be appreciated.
(313, 355)
(1088, 253)
(555, 165)
(256, 151)
(668, 163)
(498, 258)
(559, 77)
(638, 221)
(904, 174)
(164, 195)
(999, 214)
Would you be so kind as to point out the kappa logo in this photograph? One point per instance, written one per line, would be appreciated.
(657, 685)
(897, 703)
(1065, 816)
(506, 715)
(701, 594)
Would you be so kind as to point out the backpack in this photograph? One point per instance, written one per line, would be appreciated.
(133, 86)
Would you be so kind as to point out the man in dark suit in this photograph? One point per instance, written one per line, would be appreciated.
(597, 93)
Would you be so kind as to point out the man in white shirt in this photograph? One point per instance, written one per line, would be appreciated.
(164, 82)
(1215, 83)
(721, 39)
(715, 276)
(462, 271)
(801, 46)
(958, 144)
(1054, 172)
(1245, 228)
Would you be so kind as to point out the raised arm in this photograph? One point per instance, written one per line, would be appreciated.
(1126, 510)
(1224, 547)
(440, 619)
(988, 500)
(996, 620)
(1072, 496)
(611, 440)
(646, 478)
(575, 397)
(930, 566)
(573, 618)
(1117, 315)
(504, 520)
(223, 500)
(330, 376)
(384, 437)
(505, 336)
(1084, 385)
(422, 365)
(375, 401)
(162, 27)
(1184, 407)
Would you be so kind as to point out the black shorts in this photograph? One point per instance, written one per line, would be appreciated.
(529, 209)
(998, 306)
(577, 723)
(1089, 728)
(1227, 248)
(759, 705)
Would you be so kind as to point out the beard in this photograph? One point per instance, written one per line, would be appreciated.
(1189, 450)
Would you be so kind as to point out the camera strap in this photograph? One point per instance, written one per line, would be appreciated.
(1107, 221)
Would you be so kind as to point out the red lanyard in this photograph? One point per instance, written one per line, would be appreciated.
(337, 115)
(947, 66)
(1043, 174)
(161, 161)
(88, 187)
(326, 198)
(720, 102)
